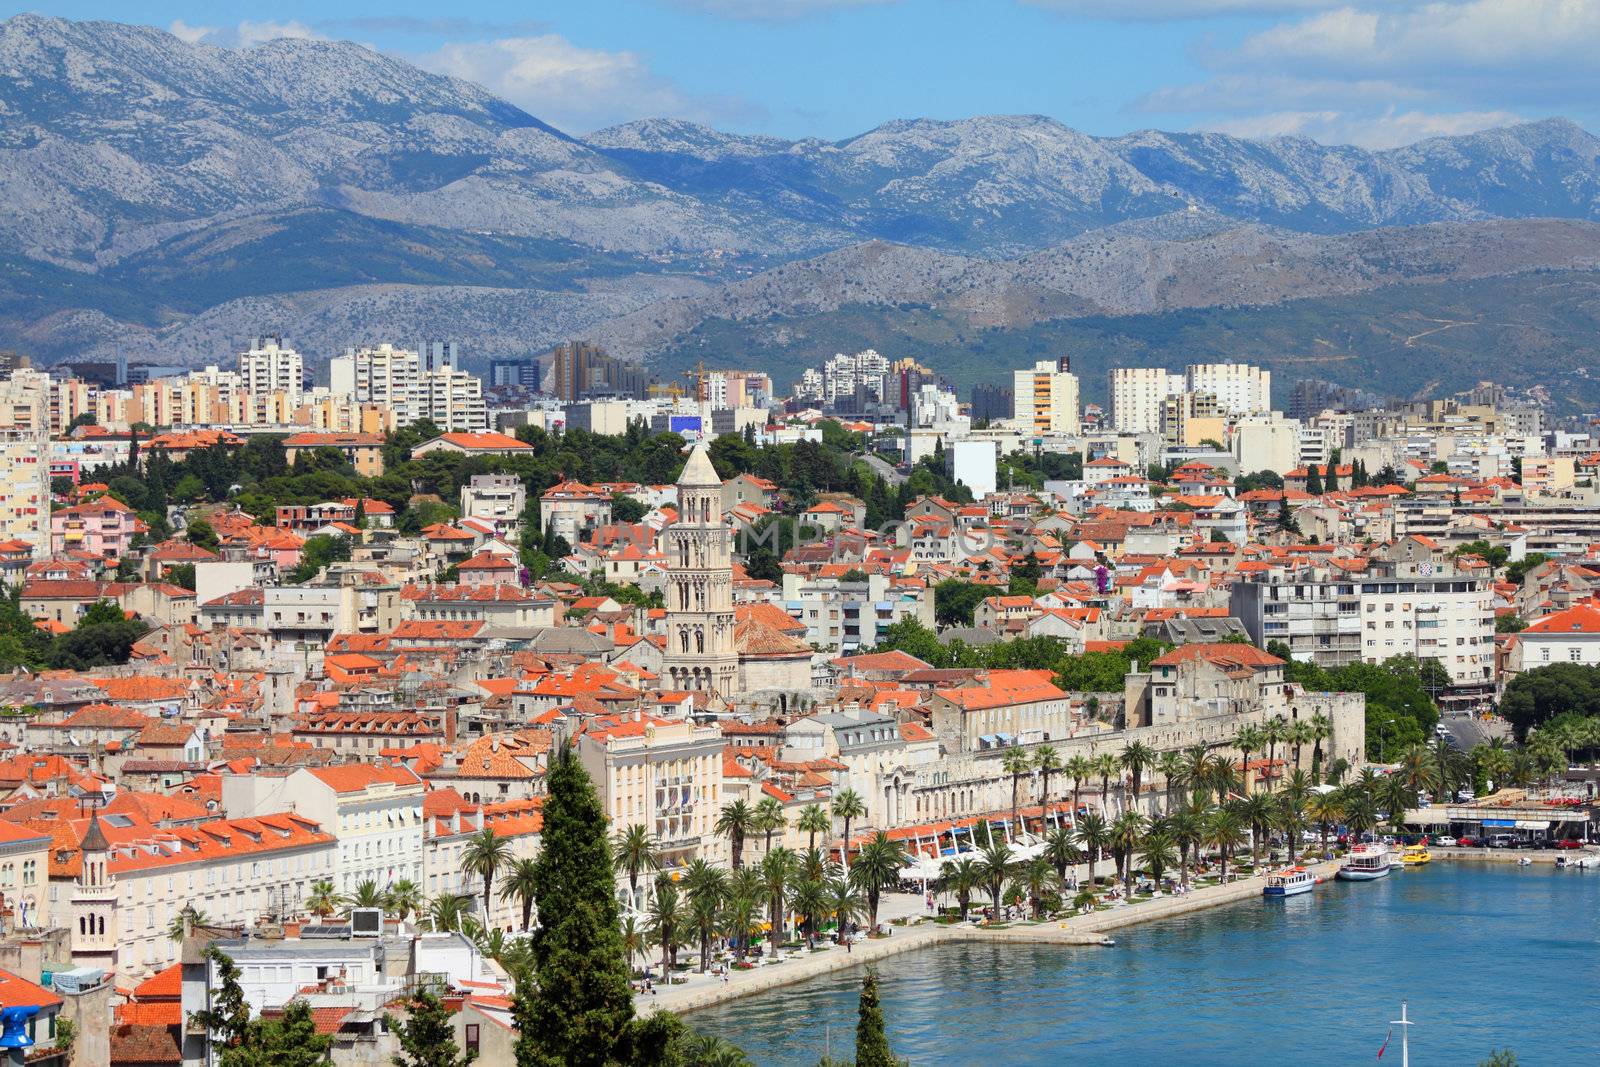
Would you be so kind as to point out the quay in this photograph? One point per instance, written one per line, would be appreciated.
(702, 991)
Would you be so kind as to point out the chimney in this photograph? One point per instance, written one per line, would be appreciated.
(455, 821)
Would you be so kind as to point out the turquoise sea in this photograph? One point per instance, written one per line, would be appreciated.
(1487, 955)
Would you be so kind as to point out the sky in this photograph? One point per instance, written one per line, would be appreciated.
(1376, 73)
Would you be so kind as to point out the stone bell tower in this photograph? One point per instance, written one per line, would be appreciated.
(700, 654)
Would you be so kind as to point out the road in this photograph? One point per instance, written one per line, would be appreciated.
(883, 469)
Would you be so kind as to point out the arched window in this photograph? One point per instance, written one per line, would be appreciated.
(700, 641)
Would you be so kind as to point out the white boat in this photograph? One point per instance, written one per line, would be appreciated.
(1366, 863)
(1291, 881)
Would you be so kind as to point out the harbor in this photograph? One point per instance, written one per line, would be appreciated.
(1473, 948)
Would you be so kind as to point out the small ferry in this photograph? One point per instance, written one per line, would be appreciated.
(1289, 882)
(1416, 855)
(1366, 863)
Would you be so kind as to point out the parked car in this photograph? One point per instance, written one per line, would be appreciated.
(1468, 842)
(1567, 843)
(1502, 841)
(1446, 841)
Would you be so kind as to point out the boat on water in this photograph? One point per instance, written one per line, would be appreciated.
(1366, 863)
(1415, 856)
(1289, 882)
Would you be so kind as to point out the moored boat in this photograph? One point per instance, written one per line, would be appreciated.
(1416, 855)
(1366, 863)
(1289, 882)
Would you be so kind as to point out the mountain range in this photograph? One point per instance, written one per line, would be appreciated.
(171, 199)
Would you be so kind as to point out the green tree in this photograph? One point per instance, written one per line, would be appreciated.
(201, 535)
(737, 820)
(227, 1015)
(290, 1040)
(954, 601)
(876, 868)
(579, 1003)
(1537, 696)
(426, 1036)
(634, 852)
(485, 854)
(872, 1042)
(849, 806)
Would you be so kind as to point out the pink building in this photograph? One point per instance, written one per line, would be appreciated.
(103, 527)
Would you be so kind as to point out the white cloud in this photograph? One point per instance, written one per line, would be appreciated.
(1452, 41)
(1388, 130)
(576, 89)
(775, 10)
(1174, 10)
(246, 34)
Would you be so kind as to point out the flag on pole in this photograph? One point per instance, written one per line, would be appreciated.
(1383, 1047)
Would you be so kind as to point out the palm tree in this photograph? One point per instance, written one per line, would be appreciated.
(1126, 833)
(877, 867)
(1105, 765)
(1225, 831)
(739, 914)
(769, 819)
(961, 877)
(1171, 768)
(816, 865)
(736, 820)
(1298, 734)
(848, 806)
(447, 911)
(1324, 810)
(665, 921)
(521, 885)
(1195, 762)
(485, 854)
(1047, 761)
(1360, 811)
(1080, 769)
(1337, 769)
(1015, 762)
(633, 939)
(367, 895)
(1137, 758)
(324, 899)
(403, 898)
(1298, 784)
(1258, 810)
(1397, 798)
(1095, 834)
(1039, 878)
(1273, 731)
(814, 820)
(1321, 730)
(633, 850)
(1188, 828)
(492, 943)
(777, 872)
(707, 888)
(810, 900)
(1248, 739)
(1291, 819)
(1061, 849)
(844, 903)
(995, 865)
(1222, 777)
(1160, 852)
(187, 919)
(744, 884)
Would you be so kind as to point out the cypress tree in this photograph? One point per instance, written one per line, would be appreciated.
(1313, 480)
(872, 1043)
(577, 1007)
(426, 1036)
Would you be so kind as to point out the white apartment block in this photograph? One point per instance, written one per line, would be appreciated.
(1045, 399)
(398, 379)
(1266, 442)
(1240, 389)
(1136, 396)
(25, 460)
(851, 616)
(270, 366)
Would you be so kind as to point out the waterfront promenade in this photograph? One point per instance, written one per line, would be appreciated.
(702, 991)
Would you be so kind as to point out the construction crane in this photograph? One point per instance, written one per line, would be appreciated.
(702, 381)
(672, 389)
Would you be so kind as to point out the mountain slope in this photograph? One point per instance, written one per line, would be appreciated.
(160, 191)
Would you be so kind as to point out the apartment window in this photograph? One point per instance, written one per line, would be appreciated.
(1574, 654)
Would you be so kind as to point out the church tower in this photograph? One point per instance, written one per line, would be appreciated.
(94, 902)
(700, 653)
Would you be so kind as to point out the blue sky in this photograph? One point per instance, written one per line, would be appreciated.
(1370, 72)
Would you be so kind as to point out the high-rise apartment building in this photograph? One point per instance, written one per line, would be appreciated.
(990, 401)
(523, 373)
(1191, 418)
(1240, 389)
(439, 355)
(1137, 394)
(25, 459)
(453, 400)
(394, 378)
(270, 366)
(1045, 399)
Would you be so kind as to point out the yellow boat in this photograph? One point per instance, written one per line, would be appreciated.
(1415, 855)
